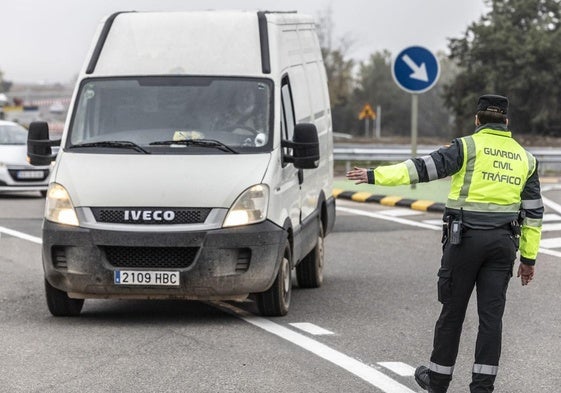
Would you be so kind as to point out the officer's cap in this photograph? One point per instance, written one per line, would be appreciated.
(493, 103)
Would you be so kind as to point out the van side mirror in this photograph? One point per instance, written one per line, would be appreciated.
(39, 145)
(305, 147)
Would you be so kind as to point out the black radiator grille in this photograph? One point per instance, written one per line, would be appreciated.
(151, 257)
(150, 216)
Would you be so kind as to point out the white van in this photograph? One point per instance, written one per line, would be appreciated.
(196, 162)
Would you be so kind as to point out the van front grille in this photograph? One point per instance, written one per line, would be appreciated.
(150, 216)
(151, 257)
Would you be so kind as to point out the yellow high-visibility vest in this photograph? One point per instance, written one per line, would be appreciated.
(493, 174)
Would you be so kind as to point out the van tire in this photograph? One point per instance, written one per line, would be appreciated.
(60, 305)
(275, 301)
(309, 271)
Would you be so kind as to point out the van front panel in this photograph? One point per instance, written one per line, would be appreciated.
(221, 264)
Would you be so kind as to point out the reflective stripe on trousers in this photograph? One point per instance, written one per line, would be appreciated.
(485, 369)
(437, 368)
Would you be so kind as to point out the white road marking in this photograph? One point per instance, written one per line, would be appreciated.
(21, 235)
(311, 328)
(550, 252)
(552, 205)
(389, 218)
(399, 368)
(548, 217)
(551, 227)
(550, 188)
(400, 212)
(554, 242)
(361, 370)
(433, 222)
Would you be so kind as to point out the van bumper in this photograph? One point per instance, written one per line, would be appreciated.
(218, 264)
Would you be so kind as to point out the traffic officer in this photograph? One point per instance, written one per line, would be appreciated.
(493, 209)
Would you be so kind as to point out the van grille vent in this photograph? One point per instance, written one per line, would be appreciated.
(59, 258)
(151, 257)
(244, 257)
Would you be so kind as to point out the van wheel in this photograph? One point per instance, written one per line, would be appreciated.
(275, 301)
(309, 271)
(60, 305)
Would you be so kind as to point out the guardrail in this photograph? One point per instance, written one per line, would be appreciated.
(549, 158)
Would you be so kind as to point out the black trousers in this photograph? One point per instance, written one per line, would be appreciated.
(484, 260)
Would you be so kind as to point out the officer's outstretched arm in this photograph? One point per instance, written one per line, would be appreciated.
(437, 165)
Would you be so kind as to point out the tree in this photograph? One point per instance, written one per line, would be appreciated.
(339, 70)
(375, 86)
(513, 51)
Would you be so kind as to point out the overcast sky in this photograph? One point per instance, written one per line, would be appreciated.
(47, 40)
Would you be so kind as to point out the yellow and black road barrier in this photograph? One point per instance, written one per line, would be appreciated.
(389, 200)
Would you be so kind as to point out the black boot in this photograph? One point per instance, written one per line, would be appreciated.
(422, 377)
(482, 383)
(439, 384)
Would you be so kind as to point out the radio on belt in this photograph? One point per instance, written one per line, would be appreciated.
(456, 232)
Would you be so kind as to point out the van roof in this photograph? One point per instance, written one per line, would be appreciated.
(179, 43)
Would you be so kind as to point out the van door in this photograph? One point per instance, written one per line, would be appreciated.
(290, 175)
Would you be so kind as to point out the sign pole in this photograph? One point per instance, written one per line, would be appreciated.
(415, 69)
(414, 123)
(378, 121)
(414, 126)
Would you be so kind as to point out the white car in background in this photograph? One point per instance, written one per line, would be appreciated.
(16, 174)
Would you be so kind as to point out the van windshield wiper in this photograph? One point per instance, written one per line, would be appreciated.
(198, 142)
(116, 144)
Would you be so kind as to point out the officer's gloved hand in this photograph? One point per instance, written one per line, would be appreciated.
(526, 272)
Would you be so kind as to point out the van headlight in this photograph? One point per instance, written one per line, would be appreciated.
(58, 207)
(250, 207)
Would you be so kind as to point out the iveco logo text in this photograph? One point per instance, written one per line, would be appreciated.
(146, 215)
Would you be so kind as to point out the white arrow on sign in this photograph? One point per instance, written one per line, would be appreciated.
(419, 72)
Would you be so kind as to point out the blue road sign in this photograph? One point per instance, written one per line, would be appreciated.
(415, 69)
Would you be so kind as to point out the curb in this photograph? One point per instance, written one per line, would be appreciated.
(389, 200)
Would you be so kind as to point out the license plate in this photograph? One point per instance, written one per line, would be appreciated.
(146, 277)
(30, 175)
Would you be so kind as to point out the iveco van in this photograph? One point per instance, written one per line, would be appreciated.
(196, 163)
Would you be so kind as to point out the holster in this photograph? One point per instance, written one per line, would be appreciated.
(444, 232)
(516, 232)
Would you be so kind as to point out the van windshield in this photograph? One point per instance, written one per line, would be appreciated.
(153, 112)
